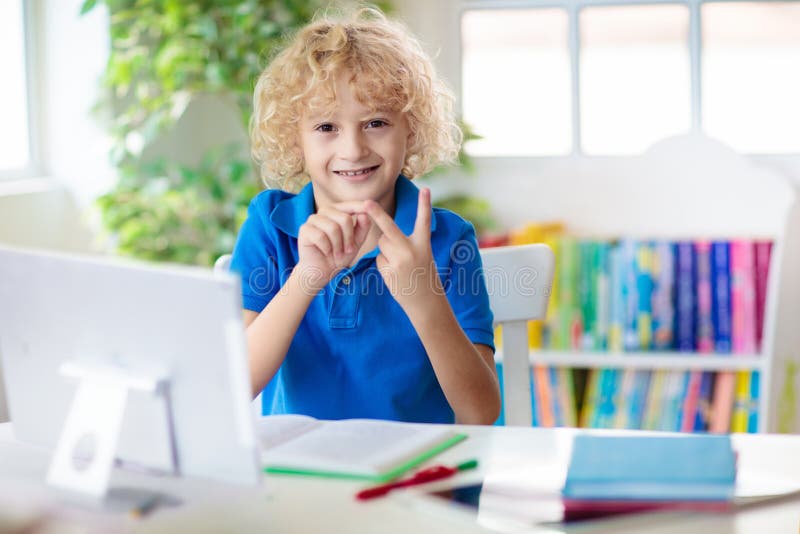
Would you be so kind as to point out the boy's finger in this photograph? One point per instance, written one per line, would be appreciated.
(363, 224)
(422, 226)
(346, 223)
(383, 220)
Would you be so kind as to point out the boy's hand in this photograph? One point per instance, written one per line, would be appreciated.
(406, 262)
(329, 241)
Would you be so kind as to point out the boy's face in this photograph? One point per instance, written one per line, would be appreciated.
(351, 153)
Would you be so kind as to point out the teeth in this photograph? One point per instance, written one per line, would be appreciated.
(355, 173)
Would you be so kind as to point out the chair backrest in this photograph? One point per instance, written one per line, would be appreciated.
(519, 280)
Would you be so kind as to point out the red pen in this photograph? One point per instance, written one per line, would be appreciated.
(436, 472)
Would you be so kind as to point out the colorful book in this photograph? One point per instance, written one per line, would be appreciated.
(624, 416)
(586, 293)
(630, 331)
(569, 324)
(501, 419)
(590, 400)
(721, 296)
(741, 406)
(663, 312)
(644, 293)
(558, 413)
(685, 296)
(602, 293)
(704, 330)
(606, 409)
(617, 301)
(655, 400)
(651, 468)
(544, 396)
(762, 253)
(641, 387)
(743, 297)
(755, 386)
(703, 414)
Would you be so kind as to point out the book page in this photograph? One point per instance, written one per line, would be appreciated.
(357, 446)
(272, 430)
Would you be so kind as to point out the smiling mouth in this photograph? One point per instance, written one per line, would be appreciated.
(356, 173)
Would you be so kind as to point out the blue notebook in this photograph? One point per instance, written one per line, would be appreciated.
(663, 468)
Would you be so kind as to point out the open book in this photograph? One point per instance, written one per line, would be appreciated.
(364, 449)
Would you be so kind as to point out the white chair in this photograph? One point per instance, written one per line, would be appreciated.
(519, 280)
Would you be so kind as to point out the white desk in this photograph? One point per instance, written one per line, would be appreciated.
(299, 504)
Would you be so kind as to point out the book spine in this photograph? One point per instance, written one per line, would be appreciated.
(743, 298)
(762, 253)
(501, 420)
(602, 288)
(663, 296)
(558, 414)
(569, 320)
(605, 405)
(705, 326)
(741, 408)
(631, 298)
(642, 380)
(625, 408)
(586, 293)
(566, 392)
(703, 413)
(644, 292)
(685, 296)
(589, 408)
(654, 401)
(755, 386)
(678, 401)
(721, 296)
(544, 396)
(690, 401)
(617, 295)
(535, 409)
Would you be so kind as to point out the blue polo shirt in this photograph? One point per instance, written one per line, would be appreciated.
(355, 353)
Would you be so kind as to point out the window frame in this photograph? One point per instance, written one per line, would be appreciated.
(33, 168)
(573, 8)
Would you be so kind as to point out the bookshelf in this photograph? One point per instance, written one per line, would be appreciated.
(688, 188)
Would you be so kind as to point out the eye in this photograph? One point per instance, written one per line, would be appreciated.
(325, 127)
(377, 123)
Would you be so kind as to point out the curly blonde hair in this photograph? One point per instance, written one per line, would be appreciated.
(393, 74)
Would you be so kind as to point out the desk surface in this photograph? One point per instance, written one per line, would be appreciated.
(301, 504)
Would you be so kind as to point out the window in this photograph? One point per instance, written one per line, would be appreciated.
(751, 75)
(530, 111)
(634, 76)
(15, 146)
(611, 77)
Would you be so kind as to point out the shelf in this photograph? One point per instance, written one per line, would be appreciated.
(645, 360)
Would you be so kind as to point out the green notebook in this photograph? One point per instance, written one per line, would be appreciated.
(359, 449)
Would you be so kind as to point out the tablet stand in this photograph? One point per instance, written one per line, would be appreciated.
(86, 448)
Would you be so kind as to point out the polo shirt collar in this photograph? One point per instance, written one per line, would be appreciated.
(290, 214)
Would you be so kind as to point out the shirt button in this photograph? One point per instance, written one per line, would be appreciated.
(346, 280)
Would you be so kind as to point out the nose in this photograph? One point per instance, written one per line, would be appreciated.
(352, 145)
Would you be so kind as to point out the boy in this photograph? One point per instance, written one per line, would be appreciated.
(346, 313)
